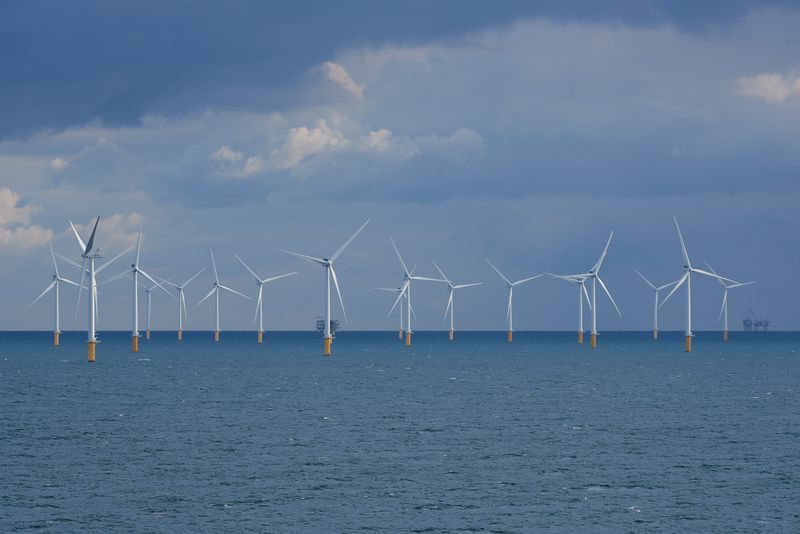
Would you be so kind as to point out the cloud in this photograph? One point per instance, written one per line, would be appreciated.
(15, 231)
(769, 87)
(337, 74)
(226, 153)
(303, 142)
(58, 163)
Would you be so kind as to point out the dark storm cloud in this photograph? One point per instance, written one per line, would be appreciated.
(68, 63)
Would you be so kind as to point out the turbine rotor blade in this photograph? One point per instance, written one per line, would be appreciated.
(468, 285)
(51, 286)
(214, 266)
(646, 281)
(674, 289)
(506, 280)
(440, 272)
(206, 297)
(302, 256)
(400, 257)
(226, 288)
(338, 292)
(112, 260)
(273, 278)
(186, 283)
(78, 237)
(347, 243)
(402, 292)
(90, 243)
(599, 263)
(683, 245)
(524, 280)
(80, 287)
(247, 267)
(609, 295)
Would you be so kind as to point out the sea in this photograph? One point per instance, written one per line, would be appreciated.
(473, 435)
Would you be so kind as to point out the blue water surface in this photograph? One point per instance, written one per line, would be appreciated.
(475, 435)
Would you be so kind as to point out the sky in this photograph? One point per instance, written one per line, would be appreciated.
(521, 132)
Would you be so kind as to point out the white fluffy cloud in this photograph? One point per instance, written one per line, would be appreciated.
(114, 233)
(226, 153)
(16, 233)
(337, 74)
(58, 163)
(769, 87)
(303, 142)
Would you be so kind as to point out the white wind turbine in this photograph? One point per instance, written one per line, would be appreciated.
(135, 271)
(89, 255)
(511, 285)
(327, 264)
(405, 289)
(580, 281)
(401, 291)
(594, 276)
(215, 291)
(450, 305)
(723, 312)
(656, 291)
(687, 279)
(260, 303)
(182, 313)
(54, 285)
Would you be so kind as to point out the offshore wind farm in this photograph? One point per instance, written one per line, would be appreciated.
(314, 266)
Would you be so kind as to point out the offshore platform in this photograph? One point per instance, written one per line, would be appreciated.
(320, 324)
(754, 323)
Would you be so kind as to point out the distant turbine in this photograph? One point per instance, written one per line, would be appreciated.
(687, 278)
(401, 291)
(580, 281)
(723, 312)
(405, 289)
(182, 301)
(135, 271)
(327, 263)
(90, 254)
(510, 285)
(656, 291)
(260, 303)
(54, 285)
(215, 291)
(149, 292)
(450, 305)
(594, 276)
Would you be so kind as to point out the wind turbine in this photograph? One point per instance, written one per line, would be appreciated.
(260, 304)
(687, 279)
(89, 255)
(656, 291)
(327, 264)
(182, 301)
(135, 271)
(149, 292)
(405, 289)
(450, 305)
(580, 281)
(594, 276)
(511, 285)
(54, 285)
(215, 291)
(401, 291)
(723, 312)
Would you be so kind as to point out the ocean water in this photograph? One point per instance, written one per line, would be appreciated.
(476, 435)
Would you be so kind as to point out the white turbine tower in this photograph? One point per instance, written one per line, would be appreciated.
(511, 285)
(54, 285)
(405, 289)
(687, 279)
(656, 291)
(450, 305)
(215, 291)
(260, 303)
(135, 271)
(182, 313)
(327, 264)
(723, 312)
(89, 255)
(580, 281)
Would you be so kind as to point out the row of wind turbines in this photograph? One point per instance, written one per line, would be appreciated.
(89, 271)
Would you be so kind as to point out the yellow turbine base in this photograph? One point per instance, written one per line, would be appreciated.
(724, 335)
(688, 343)
(327, 342)
(135, 343)
(593, 338)
(180, 335)
(147, 334)
(400, 334)
(260, 337)
(510, 336)
(408, 339)
(216, 335)
(56, 338)
(91, 350)
(580, 338)
(452, 334)
(655, 334)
